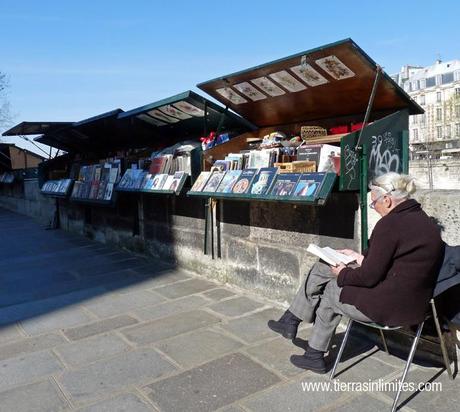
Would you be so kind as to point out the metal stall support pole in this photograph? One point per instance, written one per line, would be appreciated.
(363, 165)
(363, 196)
(212, 204)
(140, 216)
(219, 212)
(206, 225)
(405, 151)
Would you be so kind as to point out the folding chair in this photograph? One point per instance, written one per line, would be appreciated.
(433, 313)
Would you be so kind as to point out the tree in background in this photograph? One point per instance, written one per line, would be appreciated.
(5, 113)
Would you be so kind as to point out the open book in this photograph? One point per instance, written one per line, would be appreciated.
(329, 255)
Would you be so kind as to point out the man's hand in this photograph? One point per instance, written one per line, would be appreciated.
(336, 269)
(359, 258)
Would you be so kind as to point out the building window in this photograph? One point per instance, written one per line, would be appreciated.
(439, 132)
(449, 145)
(457, 129)
(438, 114)
(438, 97)
(422, 83)
(457, 92)
(447, 131)
(414, 85)
(457, 111)
(415, 135)
(431, 81)
(414, 119)
(447, 78)
(422, 99)
(422, 118)
(407, 86)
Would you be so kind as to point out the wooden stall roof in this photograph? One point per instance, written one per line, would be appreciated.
(330, 81)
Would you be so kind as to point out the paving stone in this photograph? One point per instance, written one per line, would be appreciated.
(37, 308)
(91, 349)
(143, 282)
(168, 327)
(275, 354)
(36, 397)
(362, 368)
(124, 403)
(105, 376)
(253, 327)
(116, 304)
(236, 307)
(188, 287)
(27, 345)
(9, 333)
(198, 347)
(362, 402)
(218, 294)
(57, 319)
(25, 368)
(101, 326)
(169, 308)
(444, 399)
(292, 397)
(213, 385)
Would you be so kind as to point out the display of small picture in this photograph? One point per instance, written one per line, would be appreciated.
(151, 120)
(228, 181)
(172, 111)
(284, 184)
(244, 181)
(200, 182)
(309, 75)
(265, 84)
(334, 67)
(263, 180)
(229, 94)
(214, 181)
(250, 91)
(189, 109)
(161, 116)
(309, 184)
(288, 81)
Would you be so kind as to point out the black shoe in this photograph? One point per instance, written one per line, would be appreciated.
(286, 326)
(312, 360)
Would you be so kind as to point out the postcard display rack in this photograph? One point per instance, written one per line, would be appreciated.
(334, 87)
(57, 188)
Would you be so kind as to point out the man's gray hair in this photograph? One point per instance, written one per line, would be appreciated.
(396, 185)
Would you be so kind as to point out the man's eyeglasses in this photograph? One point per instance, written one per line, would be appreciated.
(372, 204)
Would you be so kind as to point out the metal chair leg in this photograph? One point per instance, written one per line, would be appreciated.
(408, 363)
(342, 347)
(445, 356)
(384, 341)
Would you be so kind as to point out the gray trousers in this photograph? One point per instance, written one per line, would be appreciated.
(318, 301)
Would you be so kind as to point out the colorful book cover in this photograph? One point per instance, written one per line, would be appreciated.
(309, 184)
(230, 178)
(200, 182)
(244, 181)
(108, 191)
(326, 158)
(263, 180)
(284, 184)
(168, 182)
(178, 181)
(159, 181)
(213, 181)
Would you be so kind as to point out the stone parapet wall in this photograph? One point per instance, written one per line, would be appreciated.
(445, 174)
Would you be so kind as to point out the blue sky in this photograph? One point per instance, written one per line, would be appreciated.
(73, 60)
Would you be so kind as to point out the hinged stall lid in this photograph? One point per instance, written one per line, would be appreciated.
(331, 81)
(31, 128)
(187, 115)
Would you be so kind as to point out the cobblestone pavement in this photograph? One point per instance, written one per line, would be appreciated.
(86, 327)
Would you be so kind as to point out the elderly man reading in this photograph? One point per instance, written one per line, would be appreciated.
(391, 283)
